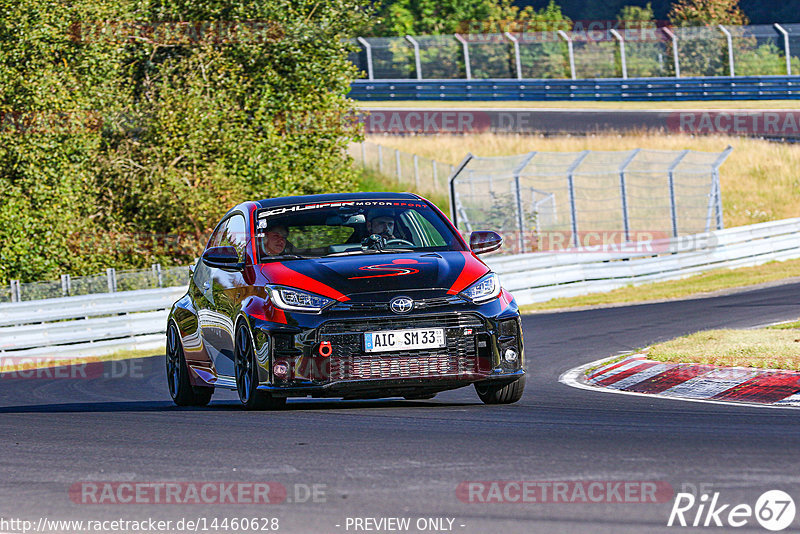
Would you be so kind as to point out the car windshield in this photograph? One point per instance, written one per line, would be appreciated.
(351, 227)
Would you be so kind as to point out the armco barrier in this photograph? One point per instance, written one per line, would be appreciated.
(612, 89)
(542, 276)
(91, 325)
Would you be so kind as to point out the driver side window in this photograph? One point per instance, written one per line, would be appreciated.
(232, 232)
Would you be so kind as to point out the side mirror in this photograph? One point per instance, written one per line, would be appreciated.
(223, 258)
(484, 241)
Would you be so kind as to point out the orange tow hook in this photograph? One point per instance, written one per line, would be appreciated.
(325, 349)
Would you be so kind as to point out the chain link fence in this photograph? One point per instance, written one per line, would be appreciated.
(108, 282)
(641, 52)
(560, 200)
(417, 173)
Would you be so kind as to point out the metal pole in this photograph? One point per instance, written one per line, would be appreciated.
(567, 38)
(15, 291)
(380, 159)
(719, 161)
(674, 40)
(417, 62)
(66, 285)
(729, 38)
(368, 50)
(111, 274)
(157, 273)
(571, 183)
(520, 218)
(673, 209)
(397, 168)
(416, 171)
(517, 60)
(785, 48)
(454, 172)
(623, 192)
(435, 176)
(363, 154)
(465, 47)
(621, 42)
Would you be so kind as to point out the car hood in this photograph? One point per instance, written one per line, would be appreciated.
(342, 276)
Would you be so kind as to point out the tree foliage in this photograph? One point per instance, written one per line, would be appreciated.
(110, 141)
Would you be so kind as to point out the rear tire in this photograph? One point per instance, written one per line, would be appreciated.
(507, 394)
(246, 370)
(181, 390)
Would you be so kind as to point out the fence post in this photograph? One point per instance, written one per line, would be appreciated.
(623, 192)
(15, 291)
(363, 155)
(417, 62)
(571, 52)
(451, 189)
(66, 285)
(465, 47)
(621, 42)
(416, 172)
(785, 48)
(397, 168)
(729, 38)
(111, 274)
(158, 275)
(571, 184)
(673, 209)
(380, 159)
(517, 60)
(674, 39)
(435, 176)
(715, 173)
(518, 194)
(368, 50)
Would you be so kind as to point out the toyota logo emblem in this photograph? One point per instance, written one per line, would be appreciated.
(401, 304)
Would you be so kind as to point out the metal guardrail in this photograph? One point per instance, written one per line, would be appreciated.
(599, 89)
(91, 325)
(539, 277)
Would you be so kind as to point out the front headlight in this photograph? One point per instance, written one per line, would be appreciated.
(291, 299)
(484, 289)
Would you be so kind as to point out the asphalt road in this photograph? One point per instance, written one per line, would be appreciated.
(405, 459)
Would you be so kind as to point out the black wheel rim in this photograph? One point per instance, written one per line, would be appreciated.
(173, 361)
(244, 365)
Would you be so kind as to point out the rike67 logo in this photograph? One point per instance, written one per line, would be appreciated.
(774, 510)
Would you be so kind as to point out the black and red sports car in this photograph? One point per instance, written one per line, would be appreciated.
(362, 295)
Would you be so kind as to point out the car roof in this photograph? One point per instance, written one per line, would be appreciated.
(334, 197)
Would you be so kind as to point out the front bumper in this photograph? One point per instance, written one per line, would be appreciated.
(328, 359)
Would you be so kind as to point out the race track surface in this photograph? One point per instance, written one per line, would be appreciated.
(394, 458)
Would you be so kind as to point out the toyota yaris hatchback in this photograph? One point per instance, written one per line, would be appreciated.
(362, 295)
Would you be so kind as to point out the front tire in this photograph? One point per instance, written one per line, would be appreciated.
(180, 387)
(246, 371)
(507, 394)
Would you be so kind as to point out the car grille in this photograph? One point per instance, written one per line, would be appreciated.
(350, 362)
(421, 304)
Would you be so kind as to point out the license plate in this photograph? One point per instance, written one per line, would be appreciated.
(417, 338)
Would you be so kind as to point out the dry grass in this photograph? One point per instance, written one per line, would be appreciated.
(716, 280)
(760, 180)
(560, 104)
(761, 348)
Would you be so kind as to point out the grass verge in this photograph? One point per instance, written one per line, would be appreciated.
(764, 348)
(11, 364)
(569, 104)
(711, 281)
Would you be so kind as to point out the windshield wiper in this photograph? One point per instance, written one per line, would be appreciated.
(282, 257)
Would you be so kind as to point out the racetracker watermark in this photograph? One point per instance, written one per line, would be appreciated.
(48, 368)
(767, 123)
(194, 492)
(606, 241)
(50, 122)
(177, 33)
(426, 122)
(564, 491)
(543, 31)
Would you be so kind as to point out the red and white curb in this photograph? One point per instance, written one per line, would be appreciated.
(636, 375)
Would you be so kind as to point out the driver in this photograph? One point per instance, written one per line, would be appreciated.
(274, 241)
(381, 222)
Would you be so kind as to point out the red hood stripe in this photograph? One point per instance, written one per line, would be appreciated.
(278, 273)
(472, 270)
